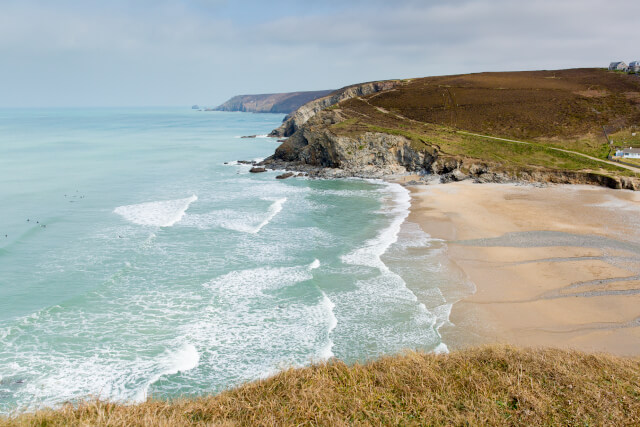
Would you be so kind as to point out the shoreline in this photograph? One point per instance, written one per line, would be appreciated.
(554, 266)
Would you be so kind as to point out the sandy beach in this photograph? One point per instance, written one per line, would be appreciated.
(553, 266)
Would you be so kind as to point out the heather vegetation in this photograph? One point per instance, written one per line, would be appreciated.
(547, 110)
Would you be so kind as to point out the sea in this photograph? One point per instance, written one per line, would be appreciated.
(139, 259)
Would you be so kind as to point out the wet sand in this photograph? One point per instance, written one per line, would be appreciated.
(555, 266)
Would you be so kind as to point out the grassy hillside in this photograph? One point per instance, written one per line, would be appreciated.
(484, 386)
(564, 109)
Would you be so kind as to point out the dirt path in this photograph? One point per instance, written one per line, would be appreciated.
(631, 168)
(401, 117)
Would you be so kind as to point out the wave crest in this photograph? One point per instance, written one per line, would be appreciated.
(159, 214)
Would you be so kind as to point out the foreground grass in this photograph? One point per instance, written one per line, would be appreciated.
(484, 386)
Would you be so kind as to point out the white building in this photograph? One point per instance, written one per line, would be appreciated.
(618, 66)
(629, 153)
(634, 67)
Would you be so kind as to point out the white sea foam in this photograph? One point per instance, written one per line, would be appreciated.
(315, 264)
(412, 236)
(328, 306)
(251, 317)
(615, 203)
(253, 282)
(246, 223)
(441, 349)
(236, 220)
(442, 313)
(183, 359)
(373, 249)
(326, 351)
(389, 286)
(159, 214)
(274, 210)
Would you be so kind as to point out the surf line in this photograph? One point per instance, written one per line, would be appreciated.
(328, 306)
(159, 214)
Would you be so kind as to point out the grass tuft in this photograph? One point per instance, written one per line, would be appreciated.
(495, 385)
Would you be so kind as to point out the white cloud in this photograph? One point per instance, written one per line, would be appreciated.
(171, 51)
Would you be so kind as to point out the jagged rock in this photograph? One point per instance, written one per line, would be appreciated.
(442, 166)
(285, 175)
(249, 136)
(246, 162)
(294, 121)
(316, 150)
(478, 169)
(257, 170)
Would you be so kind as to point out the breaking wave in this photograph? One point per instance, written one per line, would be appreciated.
(158, 214)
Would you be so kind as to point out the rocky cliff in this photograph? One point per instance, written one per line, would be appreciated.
(283, 103)
(294, 121)
(320, 152)
(377, 130)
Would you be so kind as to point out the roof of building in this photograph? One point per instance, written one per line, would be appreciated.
(630, 150)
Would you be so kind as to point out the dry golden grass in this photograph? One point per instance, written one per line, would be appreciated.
(484, 386)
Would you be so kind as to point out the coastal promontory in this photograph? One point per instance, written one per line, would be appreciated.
(282, 103)
(557, 126)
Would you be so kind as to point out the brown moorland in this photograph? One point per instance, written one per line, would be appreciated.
(547, 124)
(495, 385)
(553, 107)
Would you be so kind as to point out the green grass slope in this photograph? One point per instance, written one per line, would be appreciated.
(483, 386)
(566, 109)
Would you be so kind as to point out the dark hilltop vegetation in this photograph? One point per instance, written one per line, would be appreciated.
(483, 386)
(557, 126)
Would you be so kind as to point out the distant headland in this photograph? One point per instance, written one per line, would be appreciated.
(282, 103)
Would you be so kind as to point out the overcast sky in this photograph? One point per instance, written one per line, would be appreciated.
(180, 52)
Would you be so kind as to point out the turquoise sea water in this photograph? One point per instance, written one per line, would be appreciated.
(136, 263)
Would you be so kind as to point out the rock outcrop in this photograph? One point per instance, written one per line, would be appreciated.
(368, 155)
(316, 150)
(444, 128)
(294, 121)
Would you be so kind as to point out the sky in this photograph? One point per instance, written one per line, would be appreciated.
(85, 53)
